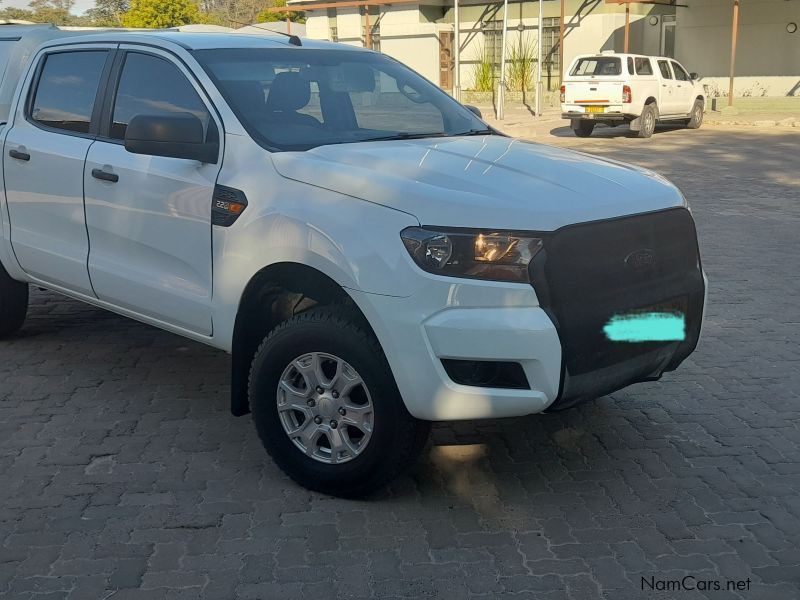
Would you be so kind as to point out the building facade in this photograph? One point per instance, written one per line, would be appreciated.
(422, 35)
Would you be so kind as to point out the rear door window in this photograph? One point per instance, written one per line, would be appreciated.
(66, 90)
(663, 66)
(643, 66)
(597, 65)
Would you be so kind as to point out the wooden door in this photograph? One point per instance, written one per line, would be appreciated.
(446, 60)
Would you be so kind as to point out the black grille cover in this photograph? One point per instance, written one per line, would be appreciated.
(588, 273)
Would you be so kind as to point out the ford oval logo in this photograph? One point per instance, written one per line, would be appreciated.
(644, 258)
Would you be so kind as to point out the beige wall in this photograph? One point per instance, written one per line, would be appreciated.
(402, 35)
(767, 57)
(407, 36)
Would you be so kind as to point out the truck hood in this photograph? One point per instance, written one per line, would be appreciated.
(482, 181)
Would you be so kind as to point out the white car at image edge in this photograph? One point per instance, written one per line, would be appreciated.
(370, 252)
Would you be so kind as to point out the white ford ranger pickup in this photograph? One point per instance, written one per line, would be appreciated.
(641, 91)
(373, 256)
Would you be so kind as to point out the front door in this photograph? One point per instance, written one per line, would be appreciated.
(666, 102)
(668, 38)
(149, 217)
(684, 89)
(43, 159)
(446, 60)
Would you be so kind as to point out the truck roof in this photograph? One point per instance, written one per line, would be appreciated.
(19, 43)
(622, 55)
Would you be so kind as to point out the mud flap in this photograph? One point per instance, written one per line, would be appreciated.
(636, 124)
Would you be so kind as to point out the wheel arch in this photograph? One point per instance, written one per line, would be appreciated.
(272, 295)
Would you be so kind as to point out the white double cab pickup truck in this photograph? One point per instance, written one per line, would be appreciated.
(641, 91)
(373, 256)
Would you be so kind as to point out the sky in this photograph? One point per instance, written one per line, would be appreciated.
(80, 5)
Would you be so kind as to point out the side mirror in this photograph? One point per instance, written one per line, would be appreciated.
(179, 135)
(694, 76)
(475, 110)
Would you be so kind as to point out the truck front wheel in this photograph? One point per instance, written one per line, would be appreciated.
(583, 128)
(326, 406)
(696, 118)
(13, 303)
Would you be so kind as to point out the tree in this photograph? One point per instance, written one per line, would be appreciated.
(265, 16)
(12, 13)
(53, 11)
(108, 13)
(157, 14)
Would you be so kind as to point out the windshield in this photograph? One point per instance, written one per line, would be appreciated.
(297, 99)
(597, 65)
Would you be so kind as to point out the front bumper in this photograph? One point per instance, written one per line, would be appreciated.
(582, 278)
(416, 333)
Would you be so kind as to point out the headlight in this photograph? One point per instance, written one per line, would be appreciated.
(476, 254)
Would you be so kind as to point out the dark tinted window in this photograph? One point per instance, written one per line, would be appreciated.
(664, 68)
(643, 66)
(150, 85)
(597, 65)
(680, 73)
(630, 66)
(67, 88)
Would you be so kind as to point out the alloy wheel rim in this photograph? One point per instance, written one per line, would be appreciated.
(325, 408)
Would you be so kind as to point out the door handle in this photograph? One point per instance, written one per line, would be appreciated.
(19, 155)
(105, 175)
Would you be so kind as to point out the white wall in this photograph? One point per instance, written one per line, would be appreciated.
(767, 56)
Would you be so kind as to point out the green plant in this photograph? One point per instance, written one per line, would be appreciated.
(520, 63)
(483, 72)
(158, 14)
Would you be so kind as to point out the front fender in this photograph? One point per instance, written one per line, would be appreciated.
(355, 243)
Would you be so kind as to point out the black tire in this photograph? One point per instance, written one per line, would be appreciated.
(13, 303)
(396, 437)
(696, 118)
(583, 128)
(647, 121)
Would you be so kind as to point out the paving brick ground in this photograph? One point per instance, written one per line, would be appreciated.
(123, 476)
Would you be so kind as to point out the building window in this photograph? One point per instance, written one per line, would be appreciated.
(493, 44)
(333, 30)
(551, 52)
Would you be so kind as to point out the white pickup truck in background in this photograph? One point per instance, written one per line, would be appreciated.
(613, 89)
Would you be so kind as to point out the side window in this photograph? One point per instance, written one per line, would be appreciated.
(66, 90)
(150, 85)
(643, 66)
(680, 73)
(664, 68)
(630, 65)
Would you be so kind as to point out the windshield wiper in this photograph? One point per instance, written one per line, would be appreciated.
(403, 136)
(486, 131)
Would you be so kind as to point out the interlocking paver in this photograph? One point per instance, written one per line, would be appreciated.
(122, 474)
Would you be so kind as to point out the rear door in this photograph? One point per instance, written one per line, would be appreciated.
(149, 217)
(667, 104)
(43, 160)
(595, 83)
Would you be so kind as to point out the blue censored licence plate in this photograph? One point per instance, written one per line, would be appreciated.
(659, 323)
